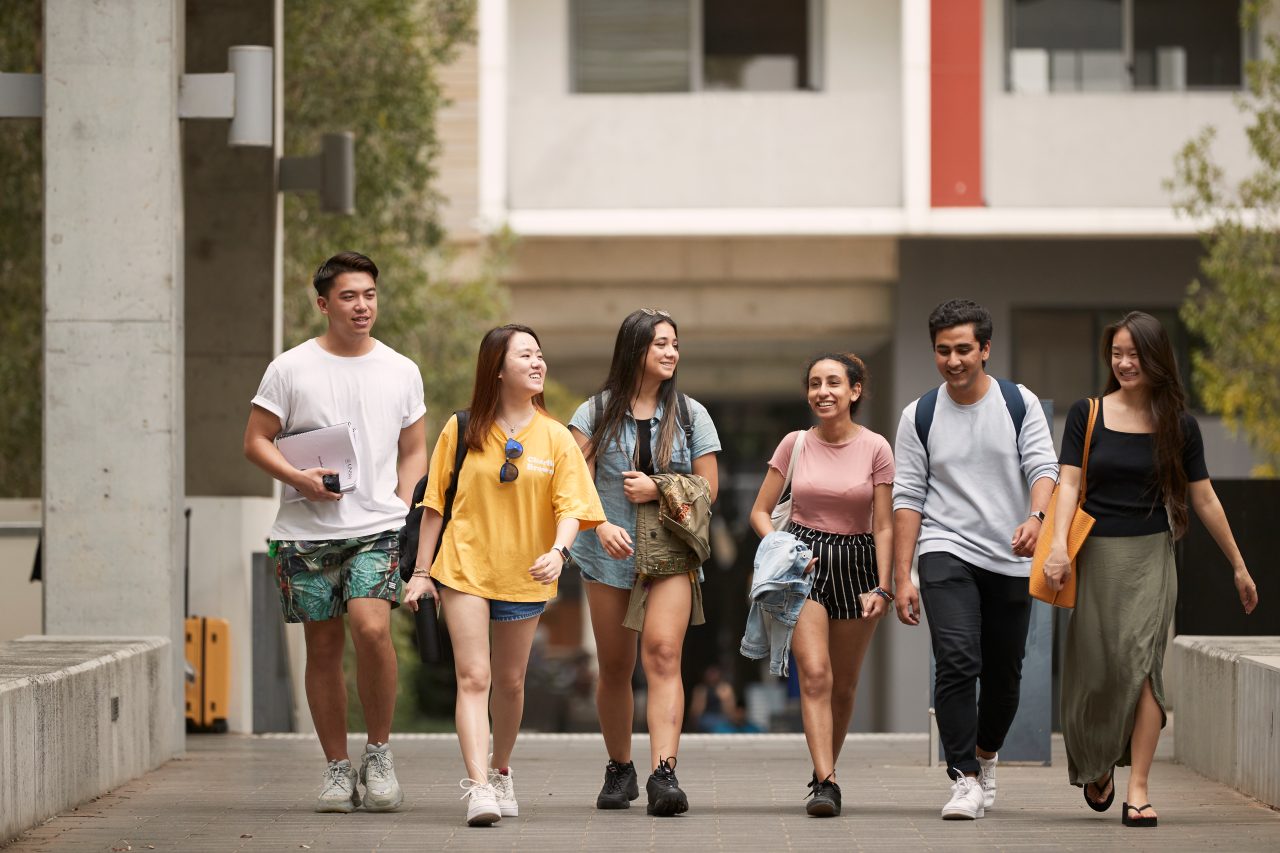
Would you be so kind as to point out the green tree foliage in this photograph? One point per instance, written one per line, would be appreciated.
(1234, 307)
(21, 264)
(371, 67)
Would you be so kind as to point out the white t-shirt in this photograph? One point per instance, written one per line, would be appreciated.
(379, 394)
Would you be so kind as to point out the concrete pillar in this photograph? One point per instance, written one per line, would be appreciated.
(113, 401)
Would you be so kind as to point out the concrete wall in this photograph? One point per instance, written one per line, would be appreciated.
(1226, 691)
(81, 716)
(1089, 149)
(840, 147)
(21, 601)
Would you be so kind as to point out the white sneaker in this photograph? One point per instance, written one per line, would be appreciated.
(483, 808)
(505, 790)
(966, 800)
(378, 774)
(339, 793)
(987, 776)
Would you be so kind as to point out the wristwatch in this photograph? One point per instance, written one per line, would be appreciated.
(1038, 515)
(564, 554)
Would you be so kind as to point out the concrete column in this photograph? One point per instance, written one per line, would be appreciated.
(113, 401)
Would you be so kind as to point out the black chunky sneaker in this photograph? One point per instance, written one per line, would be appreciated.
(665, 797)
(620, 786)
(824, 798)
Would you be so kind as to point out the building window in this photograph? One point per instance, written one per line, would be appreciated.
(694, 45)
(1057, 351)
(1124, 45)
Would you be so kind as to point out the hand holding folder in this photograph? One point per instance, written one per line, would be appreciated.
(331, 447)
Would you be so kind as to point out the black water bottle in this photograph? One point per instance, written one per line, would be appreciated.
(427, 624)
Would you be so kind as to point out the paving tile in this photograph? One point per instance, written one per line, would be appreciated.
(746, 793)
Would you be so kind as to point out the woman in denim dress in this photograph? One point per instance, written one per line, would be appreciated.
(633, 428)
(842, 508)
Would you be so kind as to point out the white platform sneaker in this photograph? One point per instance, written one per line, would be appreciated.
(966, 800)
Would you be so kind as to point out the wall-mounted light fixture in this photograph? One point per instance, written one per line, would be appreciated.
(21, 95)
(244, 93)
(332, 173)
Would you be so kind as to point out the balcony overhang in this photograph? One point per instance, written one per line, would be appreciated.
(852, 222)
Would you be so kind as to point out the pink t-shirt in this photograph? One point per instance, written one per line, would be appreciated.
(833, 484)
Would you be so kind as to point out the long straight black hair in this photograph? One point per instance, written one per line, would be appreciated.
(630, 352)
(1168, 405)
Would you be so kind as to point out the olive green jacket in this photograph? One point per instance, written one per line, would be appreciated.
(672, 537)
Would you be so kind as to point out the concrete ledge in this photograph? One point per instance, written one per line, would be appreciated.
(78, 717)
(1227, 692)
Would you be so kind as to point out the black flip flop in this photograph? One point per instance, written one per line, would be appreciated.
(1139, 820)
(1102, 806)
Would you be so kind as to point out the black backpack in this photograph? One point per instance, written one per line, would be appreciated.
(413, 521)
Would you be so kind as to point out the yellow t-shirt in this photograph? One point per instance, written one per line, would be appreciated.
(499, 529)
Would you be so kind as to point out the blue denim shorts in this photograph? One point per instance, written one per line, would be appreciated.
(511, 611)
(514, 611)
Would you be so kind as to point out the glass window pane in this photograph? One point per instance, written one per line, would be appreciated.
(756, 45)
(631, 45)
(1082, 42)
(1187, 44)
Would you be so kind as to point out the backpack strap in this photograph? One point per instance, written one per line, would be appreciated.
(924, 417)
(1014, 403)
(463, 417)
(686, 421)
(928, 402)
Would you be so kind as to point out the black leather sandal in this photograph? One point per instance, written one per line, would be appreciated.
(1102, 805)
(1139, 820)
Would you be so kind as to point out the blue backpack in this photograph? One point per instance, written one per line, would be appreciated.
(928, 402)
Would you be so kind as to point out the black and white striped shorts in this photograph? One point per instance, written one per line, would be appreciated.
(846, 569)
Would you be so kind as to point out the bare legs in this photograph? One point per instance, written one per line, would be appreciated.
(375, 674)
(666, 620)
(478, 669)
(1147, 719)
(370, 620)
(616, 658)
(827, 692)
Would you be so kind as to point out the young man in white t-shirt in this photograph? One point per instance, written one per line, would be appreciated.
(337, 553)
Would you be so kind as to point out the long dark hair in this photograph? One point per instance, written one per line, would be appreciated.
(484, 396)
(630, 351)
(1168, 405)
(854, 369)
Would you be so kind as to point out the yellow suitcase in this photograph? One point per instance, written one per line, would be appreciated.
(208, 683)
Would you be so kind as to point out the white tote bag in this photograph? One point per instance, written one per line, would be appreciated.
(781, 515)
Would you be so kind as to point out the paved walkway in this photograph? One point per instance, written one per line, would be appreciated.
(255, 794)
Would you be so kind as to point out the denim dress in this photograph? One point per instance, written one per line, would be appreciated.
(611, 461)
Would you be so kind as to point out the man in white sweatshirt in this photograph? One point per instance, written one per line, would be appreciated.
(975, 470)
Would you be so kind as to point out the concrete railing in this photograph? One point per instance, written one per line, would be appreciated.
(1226, 694)
(78, 717)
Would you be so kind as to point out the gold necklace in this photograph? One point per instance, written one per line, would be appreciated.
(514, 429)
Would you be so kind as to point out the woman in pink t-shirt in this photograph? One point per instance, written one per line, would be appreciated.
(842, 507)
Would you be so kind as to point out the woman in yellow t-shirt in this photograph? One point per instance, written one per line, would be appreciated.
(523, 494)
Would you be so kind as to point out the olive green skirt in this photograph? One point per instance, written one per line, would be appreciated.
(1119, 629)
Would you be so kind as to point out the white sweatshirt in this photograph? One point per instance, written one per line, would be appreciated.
(973, 487)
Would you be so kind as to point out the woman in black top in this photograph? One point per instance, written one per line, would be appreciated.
(1146, 464)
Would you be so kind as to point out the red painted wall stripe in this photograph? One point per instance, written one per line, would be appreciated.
(956, 103)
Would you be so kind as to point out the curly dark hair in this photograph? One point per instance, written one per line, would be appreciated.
(854, 368)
